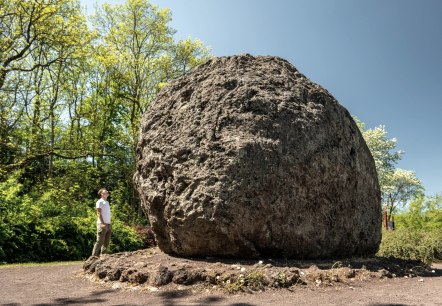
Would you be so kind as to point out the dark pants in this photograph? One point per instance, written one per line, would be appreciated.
(103, 239)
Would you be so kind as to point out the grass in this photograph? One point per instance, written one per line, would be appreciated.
(37, 264)
(254, 280)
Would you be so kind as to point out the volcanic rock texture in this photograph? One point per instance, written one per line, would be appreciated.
(246, 157)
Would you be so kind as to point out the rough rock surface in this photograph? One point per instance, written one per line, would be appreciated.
(246, 157)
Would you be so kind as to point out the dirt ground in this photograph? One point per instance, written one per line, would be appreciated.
(70, 285)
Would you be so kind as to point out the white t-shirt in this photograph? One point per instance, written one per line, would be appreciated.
(105, 211)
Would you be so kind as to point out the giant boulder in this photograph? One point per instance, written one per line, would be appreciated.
(246, 157)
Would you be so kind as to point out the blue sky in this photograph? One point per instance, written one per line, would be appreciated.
(382, 60)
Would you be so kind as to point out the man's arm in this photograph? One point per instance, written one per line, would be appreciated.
(100, 217)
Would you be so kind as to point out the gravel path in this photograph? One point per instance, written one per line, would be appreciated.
(60, 285)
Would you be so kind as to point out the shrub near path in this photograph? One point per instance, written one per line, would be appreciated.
(66, 284)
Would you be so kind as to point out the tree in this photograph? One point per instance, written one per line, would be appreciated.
(424, 213)
(398, 186)
(139, 53)
(135, 55)
(38, 41)
(30, 30)
(382, 149)
(71, 100)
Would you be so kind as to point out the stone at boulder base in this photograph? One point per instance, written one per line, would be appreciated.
(246, 157)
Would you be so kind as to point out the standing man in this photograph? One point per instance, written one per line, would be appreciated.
(104, 227)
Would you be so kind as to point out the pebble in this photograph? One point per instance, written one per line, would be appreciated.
(118, 285)
(140, 264)
(152, 288)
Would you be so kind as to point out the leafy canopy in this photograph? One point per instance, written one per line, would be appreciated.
(398, 186)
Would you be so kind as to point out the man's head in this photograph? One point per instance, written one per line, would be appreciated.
(103, 193)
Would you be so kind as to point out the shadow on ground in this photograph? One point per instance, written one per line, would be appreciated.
(97, 297)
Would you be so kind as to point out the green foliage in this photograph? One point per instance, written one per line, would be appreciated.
(124, 238)
(398, 186)
(418, 233)
(71, 100)
(254, 280)
(54, 225)
(409, 243)
(423, 213)
(382, 148)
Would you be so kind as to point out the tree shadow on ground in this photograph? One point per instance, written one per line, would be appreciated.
(93, 298)
(387, 304)
(173, 298)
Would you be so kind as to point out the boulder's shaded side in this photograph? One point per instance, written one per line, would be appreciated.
(246, 157)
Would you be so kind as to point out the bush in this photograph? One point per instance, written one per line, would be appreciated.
(53, 223)
(124, 238)
(407, 243)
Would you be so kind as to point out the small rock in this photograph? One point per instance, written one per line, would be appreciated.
(140, 264)
(152, 288)
(247, 290)
(140, 277)
(118, 285)
(163, 276)
(180, 276)
(386, 273)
